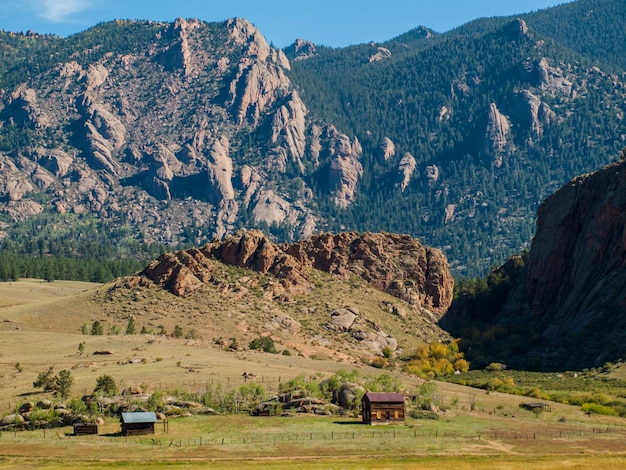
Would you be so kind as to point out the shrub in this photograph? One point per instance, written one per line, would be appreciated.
(379, 362)
(421, 414)
(131, 329)
(599, 409)
(496, 367)
(265, 343)
(178, 332)
(105, 384)
(96, 329)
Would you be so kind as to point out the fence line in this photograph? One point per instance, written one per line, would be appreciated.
(302, 437)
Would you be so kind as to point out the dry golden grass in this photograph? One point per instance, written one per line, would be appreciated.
(39, 327)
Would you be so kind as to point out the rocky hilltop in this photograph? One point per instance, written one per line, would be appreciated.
(396, 264)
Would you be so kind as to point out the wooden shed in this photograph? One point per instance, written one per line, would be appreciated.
(382, 408)
(138, 423)
(84, 429)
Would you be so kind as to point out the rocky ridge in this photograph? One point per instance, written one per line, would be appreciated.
(396, 264)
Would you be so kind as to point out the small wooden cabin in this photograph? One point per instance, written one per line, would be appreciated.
(382, 408)
(84, 429)
(138, 423)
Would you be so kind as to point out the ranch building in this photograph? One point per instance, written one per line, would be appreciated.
(382, 408)
(138, 423)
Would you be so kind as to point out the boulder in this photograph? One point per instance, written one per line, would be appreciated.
(341, 319)
(27, 407)
(12, 419)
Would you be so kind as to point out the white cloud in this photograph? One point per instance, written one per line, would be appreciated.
(59, 11)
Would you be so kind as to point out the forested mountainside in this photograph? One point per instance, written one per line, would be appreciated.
(491, 118)
(171, 134)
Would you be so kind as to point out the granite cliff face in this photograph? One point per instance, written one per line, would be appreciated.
(573, 288)
(197, 124)
(396, 264)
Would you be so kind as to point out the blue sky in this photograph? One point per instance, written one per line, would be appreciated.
(333, 23)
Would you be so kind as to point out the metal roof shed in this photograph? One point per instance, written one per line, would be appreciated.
(138, 423)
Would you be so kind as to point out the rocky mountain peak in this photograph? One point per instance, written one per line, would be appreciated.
(301, 49)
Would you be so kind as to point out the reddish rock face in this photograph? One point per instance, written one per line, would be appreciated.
(578, 255)
(397, 264)
(574, 290)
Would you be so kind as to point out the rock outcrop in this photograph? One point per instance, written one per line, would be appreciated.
(406, 168)
(345, 168)
(301, 50)
(258, 82)
(387, 149)
(574, 287)
(533, 114)
(497, 133)
(289, 132)
(397, 264)
(381, 54)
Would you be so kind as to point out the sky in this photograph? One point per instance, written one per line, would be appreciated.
(334, 23)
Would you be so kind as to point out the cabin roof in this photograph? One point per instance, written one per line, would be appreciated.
(384, 397)
(139, 417)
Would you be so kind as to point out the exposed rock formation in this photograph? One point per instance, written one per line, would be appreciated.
(56, 161)
(345, 168)
(497, 133)
(104, 132)
(406, 168)
(574, 290)
(387, 149)
(177, 55)
(552, 80)
(288, 131)
(381, 53)
(301, 49)
(367, 332)
(396, 264)
(24, 109)
(531, 112)
(220, 171)
(258, 83)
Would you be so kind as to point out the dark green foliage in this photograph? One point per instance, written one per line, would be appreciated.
(70, 248)
(178, 332)
(131, 329)
(60, 384)
(96, 328)
(105, 385)
(46, 380)
(265, 343)
(64, 383)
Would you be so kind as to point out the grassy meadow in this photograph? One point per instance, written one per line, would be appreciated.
(40, 327)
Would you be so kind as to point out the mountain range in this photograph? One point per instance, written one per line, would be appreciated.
(161, 134)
